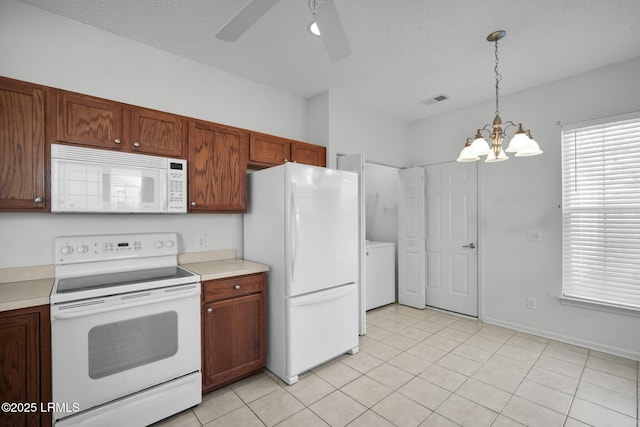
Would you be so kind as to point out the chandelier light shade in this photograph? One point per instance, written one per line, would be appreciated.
(522, 143)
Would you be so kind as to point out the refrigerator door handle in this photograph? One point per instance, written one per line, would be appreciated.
(324, 296)
(293, 224)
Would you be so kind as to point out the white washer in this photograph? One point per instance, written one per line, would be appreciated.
(380, 274)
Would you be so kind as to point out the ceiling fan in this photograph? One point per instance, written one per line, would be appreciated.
(324, 11)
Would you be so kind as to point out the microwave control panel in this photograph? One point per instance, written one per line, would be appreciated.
(177, 182)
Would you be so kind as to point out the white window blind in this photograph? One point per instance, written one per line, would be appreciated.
(601, 211)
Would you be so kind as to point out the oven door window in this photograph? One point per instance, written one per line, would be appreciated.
(127, 344)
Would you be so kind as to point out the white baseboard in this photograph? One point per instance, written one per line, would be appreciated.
(616, 351)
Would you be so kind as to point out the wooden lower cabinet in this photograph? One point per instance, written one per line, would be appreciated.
(233, 329)
(25, 365)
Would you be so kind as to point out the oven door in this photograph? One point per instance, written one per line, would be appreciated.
(107, 348)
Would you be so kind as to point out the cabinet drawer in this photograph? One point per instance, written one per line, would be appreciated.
(232, 287)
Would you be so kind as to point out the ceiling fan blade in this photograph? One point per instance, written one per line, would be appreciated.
(331, 30)
(244, 19)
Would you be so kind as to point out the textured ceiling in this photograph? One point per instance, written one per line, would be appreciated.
(403, 51)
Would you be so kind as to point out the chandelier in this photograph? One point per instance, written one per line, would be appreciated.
(522, 143)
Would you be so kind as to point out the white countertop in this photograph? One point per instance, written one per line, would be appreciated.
(26, 293)
(23, 287)
(210, 270)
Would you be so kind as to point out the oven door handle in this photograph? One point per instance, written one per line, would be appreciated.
(103, 305)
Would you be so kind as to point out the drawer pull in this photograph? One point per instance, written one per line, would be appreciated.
(236, 287)
(209, 310)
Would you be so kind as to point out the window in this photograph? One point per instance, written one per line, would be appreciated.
(601, 211)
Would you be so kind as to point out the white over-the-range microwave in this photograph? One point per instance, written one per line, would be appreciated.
(87, 180)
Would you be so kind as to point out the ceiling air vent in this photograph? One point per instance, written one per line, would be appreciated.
(434, 100)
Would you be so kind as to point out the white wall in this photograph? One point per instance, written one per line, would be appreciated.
(525, 194)
(381, 200)
(41, 47)
(345, 127)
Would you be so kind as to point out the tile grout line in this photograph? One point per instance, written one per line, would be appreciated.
(449, 352)
(573, 396)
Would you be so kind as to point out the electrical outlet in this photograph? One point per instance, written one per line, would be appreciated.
(531, 303)
(534, 235)
(201, 241)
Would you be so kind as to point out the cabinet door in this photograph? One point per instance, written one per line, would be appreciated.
(20, 367)
(309, 154)
(267, 150)
(89, 121)
(155, 132)
(234, 339)
(22, 148)
(217, 168)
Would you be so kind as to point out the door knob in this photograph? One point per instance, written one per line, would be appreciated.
(470, 246)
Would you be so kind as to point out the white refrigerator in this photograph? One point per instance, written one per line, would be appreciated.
(303, 222)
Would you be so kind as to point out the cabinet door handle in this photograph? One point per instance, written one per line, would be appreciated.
(38, 199)
(236, 287)
(209, 310)
(117, 140)
(193, 203)
(136, 144)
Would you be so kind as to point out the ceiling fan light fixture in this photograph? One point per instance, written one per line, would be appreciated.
(313, 29)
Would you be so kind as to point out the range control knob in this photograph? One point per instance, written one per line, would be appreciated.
(169, 243)
(158, 244)
(82, 249)
(66, 250)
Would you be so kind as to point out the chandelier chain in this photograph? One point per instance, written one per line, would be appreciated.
(498, 78)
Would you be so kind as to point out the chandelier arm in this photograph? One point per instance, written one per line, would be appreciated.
(508, 124)
(486, 128)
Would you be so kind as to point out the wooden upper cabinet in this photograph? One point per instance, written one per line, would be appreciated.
(155, 132)
(89, 121)
(309, 154)
(101, 123)
(268, 150)
(22, 146)
(217, 167)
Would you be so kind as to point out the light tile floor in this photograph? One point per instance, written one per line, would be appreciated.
(428, 368)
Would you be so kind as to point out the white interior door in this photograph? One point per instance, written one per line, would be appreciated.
(411, 244)
(355, 163)
(452, 237)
